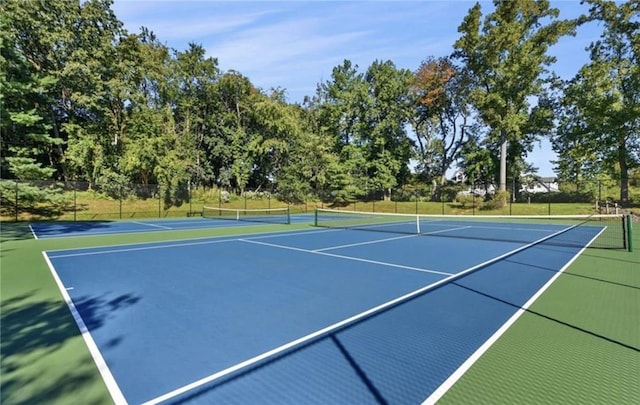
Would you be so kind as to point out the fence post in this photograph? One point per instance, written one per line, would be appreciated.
(513, 195)
(599, 195)
(473, 197)
(16, 205)
(159, 201)
(75, 200)
(629, 232)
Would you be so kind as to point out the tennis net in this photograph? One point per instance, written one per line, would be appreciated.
(267, 215)
(596, 231)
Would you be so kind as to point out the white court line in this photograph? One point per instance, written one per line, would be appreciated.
(33, 232)
(109, 381)
(456, 375)
(205, 239)
(357, 259)
(152, 225)
(196, 224)
(364, 243)
(133, 249)
(336, 326)
(218, 225)
(389, 239)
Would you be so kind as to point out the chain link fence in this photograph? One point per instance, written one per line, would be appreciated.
(81, 201)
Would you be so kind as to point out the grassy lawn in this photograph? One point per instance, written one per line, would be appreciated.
(87, 205)
(579, 343)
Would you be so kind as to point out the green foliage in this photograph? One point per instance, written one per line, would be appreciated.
(83, 99)
(600, 108)
(467, 200)
(497, 201)
(114, 185)
(40, 198)
(449, 192)
(506, 55)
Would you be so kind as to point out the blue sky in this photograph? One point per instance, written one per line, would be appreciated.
(294, 45)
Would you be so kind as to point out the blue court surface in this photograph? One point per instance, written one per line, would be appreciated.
(323, 316)
(45, 230)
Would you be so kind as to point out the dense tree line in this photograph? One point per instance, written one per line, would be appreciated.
(84, 99)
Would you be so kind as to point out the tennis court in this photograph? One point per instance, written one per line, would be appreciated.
(208, 218)
(325, 315)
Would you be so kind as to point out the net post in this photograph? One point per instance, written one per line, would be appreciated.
(288, 215)
(315, 217)
(629, 220)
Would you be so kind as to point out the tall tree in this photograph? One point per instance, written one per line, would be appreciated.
(231, 142)
(309, 160)
(195, 77)
(599, 129)
(442, 117)
(506, 54)
(383, 134)
(341, 102)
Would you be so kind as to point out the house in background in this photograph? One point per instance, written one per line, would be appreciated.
(537, 185)
(531, 184)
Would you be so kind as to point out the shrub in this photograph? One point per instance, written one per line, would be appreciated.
(498, 200)
(468, 199)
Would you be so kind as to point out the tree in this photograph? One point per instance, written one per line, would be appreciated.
(599, 128)
(230, 142)
(441, 118)
(382, 133)
(194, 78)
(507, 55)
(341, 102)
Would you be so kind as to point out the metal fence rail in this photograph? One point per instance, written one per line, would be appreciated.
(77, 201)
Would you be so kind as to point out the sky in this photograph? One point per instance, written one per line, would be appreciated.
(294, 45)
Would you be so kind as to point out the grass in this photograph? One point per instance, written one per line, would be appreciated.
(88, 205)
(579, 343)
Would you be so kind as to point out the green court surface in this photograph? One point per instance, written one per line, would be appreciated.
(579, 343)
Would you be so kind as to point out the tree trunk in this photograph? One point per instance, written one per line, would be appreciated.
(503, 164)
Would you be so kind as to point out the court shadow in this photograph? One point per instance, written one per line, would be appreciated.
(14, 231)
(63, 228)
(31, 388)
(32, 326)
(275, 359)
(570, 274)
(549, 318)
